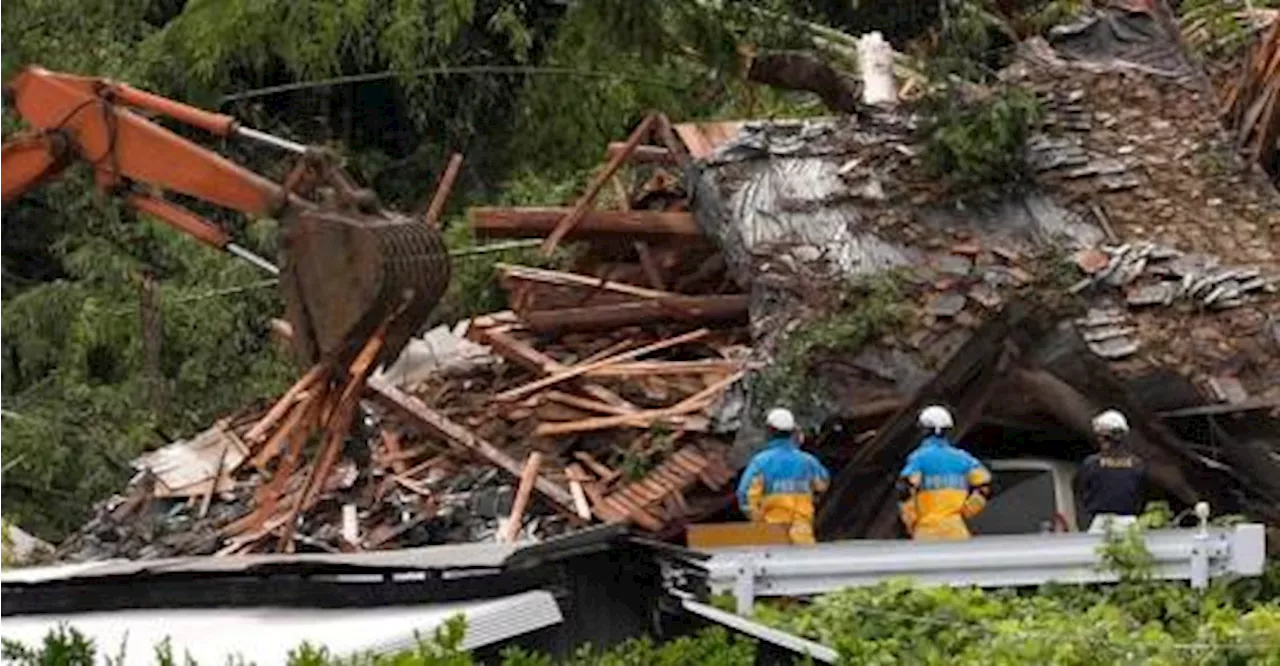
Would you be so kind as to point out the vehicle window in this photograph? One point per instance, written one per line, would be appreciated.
(1021, 502)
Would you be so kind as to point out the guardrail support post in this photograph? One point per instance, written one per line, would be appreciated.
(1200, 549)
(744, 586)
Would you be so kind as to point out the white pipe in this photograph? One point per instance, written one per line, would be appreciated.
(270, 139)
(252, 258)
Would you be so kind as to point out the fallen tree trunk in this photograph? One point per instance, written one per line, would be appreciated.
(797, 70)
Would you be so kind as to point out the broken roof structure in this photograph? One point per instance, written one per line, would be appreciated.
(1134, 178)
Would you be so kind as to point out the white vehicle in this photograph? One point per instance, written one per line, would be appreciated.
(1029, 495)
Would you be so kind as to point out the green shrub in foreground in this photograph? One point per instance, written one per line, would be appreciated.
(712, 647)
(1132, 623)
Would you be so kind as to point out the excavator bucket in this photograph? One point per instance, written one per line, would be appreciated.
(344, 273)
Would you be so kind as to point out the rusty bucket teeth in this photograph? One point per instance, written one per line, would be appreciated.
(344, 274)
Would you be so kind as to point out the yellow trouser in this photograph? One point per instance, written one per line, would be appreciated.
(938, 515)
(796, 511)
(949, 528)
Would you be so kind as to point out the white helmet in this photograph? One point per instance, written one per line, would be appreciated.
(1110, 422)
(936, 418)
(781, 419)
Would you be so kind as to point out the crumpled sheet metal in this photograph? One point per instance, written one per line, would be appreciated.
(792, 210)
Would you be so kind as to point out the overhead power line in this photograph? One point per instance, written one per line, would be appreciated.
(470, 70)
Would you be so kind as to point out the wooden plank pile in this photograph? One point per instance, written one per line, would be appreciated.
(600, 410)
(1252, 103)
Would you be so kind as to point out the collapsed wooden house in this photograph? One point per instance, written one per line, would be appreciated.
(1130, 272)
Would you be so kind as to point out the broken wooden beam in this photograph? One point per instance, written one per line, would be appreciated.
(440, 426)
(666, 134)
(278, 410)
(512, 349)
(641, 154)
(628, 225)
(642, 419)
(701, 309)
(336, 424)
(532, 466)
(651, 368)
(585, 403)
(580, 369)
(566, 279)
(575, 215)
(436, 208)
(395, 454)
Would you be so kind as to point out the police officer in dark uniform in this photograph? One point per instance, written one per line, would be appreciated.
(1111, 484)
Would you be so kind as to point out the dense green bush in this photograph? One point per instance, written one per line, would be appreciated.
(1134, 623)
(66, 646)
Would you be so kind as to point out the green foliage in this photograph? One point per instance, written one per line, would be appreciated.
(75, 373)
(63, 646)
(671, 55)
(1133, 623)
(978, 141)
(863, 312)
(472, 290)
(975, 128)
(713, 647)
(6, 540)
(87, 38)
(314, 40)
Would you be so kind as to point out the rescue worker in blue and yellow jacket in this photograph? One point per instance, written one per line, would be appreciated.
(781, 482)
(941, 485)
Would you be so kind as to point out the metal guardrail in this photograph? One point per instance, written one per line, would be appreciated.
(1196, 555)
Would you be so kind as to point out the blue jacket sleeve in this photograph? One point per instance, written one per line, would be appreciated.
(820, 472)
(744, 484)
(912, 466)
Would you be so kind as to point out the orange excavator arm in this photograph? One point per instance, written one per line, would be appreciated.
(99, 121)
(349, 265)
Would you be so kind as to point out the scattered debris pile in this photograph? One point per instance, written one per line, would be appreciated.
(587, 401)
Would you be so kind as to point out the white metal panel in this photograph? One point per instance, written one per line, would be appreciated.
(797, 644)
(985, 561)
(265, 635)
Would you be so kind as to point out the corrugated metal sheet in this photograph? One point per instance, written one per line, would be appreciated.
(266, 635)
